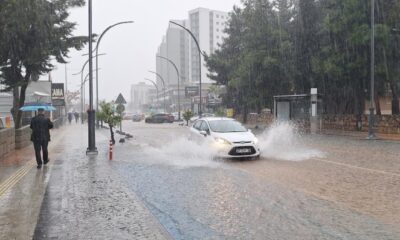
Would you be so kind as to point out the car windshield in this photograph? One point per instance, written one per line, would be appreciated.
(224, 126)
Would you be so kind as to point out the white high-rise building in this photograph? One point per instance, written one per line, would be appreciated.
(174, 46)
(208, 28)
(140, 95)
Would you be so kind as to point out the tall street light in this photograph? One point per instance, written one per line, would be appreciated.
(97, 61)
(163, 82)
(82, 89)
(91, 150)
(200, 54)
(155, 85)
(371, 134)
(177, 72)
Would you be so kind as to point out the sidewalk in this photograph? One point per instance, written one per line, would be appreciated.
(362, 135)
(259, 129)
(74, 197)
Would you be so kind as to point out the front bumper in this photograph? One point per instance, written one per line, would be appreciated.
(237, 150)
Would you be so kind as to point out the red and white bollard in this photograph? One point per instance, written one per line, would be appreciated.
(110, 151)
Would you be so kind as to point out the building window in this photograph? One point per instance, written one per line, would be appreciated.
(217, 23)
(217, 30)
(217, 16)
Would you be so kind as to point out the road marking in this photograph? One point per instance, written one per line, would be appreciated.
(13, 179)
(359, 168)
(20, 173)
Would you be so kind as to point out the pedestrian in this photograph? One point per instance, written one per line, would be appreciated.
(40, 137)
(70, 117)
(76, 114)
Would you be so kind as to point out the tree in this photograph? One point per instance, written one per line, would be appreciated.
(32, 34)
(187, 115)
(107, 115)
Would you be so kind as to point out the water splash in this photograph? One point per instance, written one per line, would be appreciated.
(183, 153)
(284, 141)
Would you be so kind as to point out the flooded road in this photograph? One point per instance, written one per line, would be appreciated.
(304, 187)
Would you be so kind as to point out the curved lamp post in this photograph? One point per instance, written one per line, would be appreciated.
(200, 54)
(97, 61)
(165, 108)
(82, 80)
(371, 134)
(177, 72)
(155, 85)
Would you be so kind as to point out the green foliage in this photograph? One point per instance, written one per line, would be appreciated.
(32, 34)
(287, 47)
(107, 115)
(187, 115)
(220, 112)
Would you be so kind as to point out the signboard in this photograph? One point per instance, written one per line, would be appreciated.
(57, 90)
(229, 112)
(57, 94)
(191, 91)
(120, 99)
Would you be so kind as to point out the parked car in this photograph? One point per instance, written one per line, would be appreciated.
(194, 118)
(137, 117)
(160, 118)
(226, 136)
(176, 116)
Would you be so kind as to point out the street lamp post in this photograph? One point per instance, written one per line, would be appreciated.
(177, 72)
(371, 134)
(162, 80)
(82, 80)
(155, 85)
(200, 53)
(97, 61)
(91, 150)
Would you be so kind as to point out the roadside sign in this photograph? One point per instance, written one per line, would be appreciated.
(120, 99)
(191, 91)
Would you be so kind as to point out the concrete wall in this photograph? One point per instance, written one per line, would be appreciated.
(7, 142)
(383, 124)
(389, 124)
(23, 137)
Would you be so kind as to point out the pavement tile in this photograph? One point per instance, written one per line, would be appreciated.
(75, 197)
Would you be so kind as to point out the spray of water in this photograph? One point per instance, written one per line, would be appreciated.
(183, 153)
(283, 141)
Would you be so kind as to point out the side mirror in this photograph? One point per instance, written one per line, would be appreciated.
(204, 133)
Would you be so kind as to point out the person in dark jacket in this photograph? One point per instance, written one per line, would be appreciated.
(40, 137)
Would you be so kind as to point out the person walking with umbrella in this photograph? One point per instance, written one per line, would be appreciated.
(40, 137)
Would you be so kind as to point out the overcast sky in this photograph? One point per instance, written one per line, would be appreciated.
(130, 48)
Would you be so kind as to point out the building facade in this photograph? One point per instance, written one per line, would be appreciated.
(208, 28)
(141, 95)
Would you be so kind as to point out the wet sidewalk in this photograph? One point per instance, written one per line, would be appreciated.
(260, 128)
(73, 197)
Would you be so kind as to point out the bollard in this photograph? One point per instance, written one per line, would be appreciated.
(110, 151)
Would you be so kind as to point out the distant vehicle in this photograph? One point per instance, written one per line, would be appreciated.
(226, 136)
(137, 117)
(176, 116)
(193, 119)
(127, 116)
(160, 118)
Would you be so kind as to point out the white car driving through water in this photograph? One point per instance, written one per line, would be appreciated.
(227, 137)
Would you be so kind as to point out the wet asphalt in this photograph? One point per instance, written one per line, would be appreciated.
(195, 197)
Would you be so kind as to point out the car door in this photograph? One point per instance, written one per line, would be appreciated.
(195, 130)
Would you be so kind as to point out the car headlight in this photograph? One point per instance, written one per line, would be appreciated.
(222, 141)
(255, 141)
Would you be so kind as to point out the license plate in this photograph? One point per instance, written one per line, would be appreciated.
(243, 150)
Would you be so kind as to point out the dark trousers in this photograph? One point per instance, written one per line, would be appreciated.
(41, 146)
